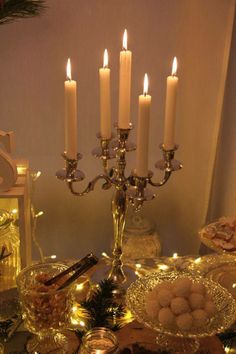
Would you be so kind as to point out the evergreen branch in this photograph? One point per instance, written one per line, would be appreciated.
(102, 308)
(12, 10)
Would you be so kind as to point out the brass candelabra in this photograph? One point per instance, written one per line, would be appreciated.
(131, 189)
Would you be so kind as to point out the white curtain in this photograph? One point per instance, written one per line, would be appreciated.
(32, 71)
(223, 199)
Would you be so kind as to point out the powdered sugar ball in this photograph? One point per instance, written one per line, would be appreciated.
(163, 285)
(200, 317)
(196, 301)
(179, 305)
(184, 321)
(210, 308)
(151, 295)
(182, 287)
(164, 297)
(198, 288)
(166, 317)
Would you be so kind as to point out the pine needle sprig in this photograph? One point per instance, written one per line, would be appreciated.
(12, 10)
(102, 308)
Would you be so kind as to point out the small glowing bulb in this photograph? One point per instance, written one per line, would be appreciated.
(38, 174)
(39, 214)
(14, 211)
(174, 67)
(175, 255)
(79, 287)
(68, 69)
(53, 256)
(138, 265)
(197, 260)
(82, 323)
(125, 40)
(105, 255)
(74, 321)
(163, 267)
(234, 286)
(74, 308)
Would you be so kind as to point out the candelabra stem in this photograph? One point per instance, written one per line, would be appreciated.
(119, 207)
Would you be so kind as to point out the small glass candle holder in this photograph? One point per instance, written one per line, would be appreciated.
(99, 340)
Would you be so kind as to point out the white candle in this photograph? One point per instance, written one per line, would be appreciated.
(143, 131)
(105, 99)
(170, 109)
(70, 115)
(125, 85)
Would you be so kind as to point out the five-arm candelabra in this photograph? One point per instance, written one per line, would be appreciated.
(131, 189)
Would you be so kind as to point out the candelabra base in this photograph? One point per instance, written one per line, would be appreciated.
(103, 270)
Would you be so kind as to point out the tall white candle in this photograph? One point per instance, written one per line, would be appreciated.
(170, 109)
(105, 99)
(70, 115)
(143, 131)
(125, 85)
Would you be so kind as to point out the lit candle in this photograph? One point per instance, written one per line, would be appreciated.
(70, 115)
(143, 131)
(170, 109)
(105, 99)
(125, 85)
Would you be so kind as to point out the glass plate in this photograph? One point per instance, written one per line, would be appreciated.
(216, 244)
(225, 305)
(220, 268)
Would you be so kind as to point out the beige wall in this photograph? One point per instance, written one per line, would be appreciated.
(32, 71)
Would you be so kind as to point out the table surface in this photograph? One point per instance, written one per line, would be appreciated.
(128, 335)
(131, 333)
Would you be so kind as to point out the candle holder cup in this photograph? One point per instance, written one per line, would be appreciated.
(132, 189)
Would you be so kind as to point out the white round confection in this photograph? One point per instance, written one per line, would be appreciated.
(184, 321)
(196, 301)
(164, 297)
(198, 288)
(179, 305)
(151, 296)
(163, 285)
(154, 291)
(166, 317)
(152, 308)
(182, 287)
(200, 318)
(210, 308)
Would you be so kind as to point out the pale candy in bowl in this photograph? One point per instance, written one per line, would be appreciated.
(181, 305)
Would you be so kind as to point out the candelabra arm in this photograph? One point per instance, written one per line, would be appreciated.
(90, 187)
(168, 165)
(163, 181)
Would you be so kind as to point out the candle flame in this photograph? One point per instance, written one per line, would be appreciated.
(68, 69)
(174, 66)
(125, 40)
(145, 85)
(105, 59)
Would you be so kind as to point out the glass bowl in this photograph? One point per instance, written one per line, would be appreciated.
(45, 310)
(173, 337)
